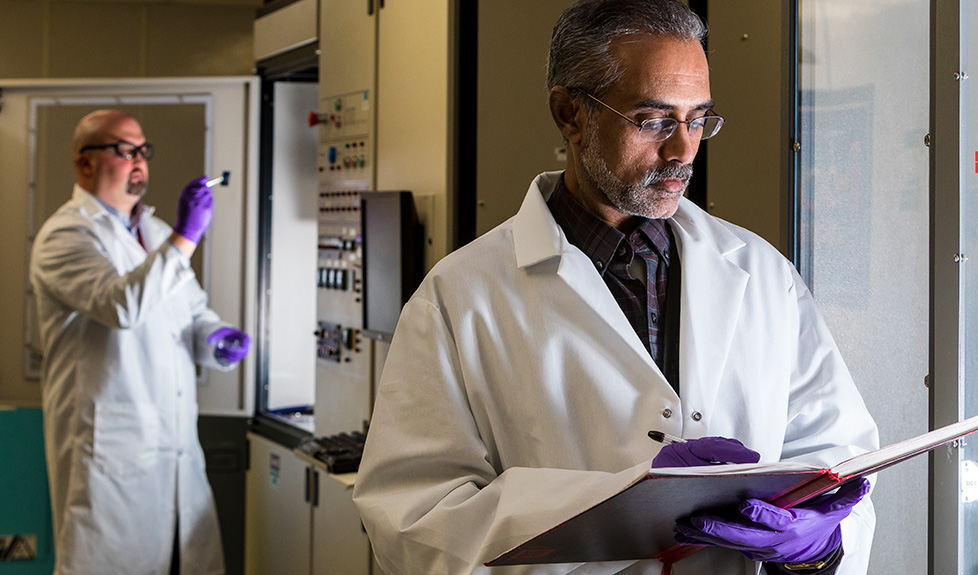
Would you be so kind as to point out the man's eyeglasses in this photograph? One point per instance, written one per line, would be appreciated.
(659, 129)
(125, 150)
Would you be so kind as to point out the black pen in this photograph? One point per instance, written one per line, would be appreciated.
(663, 437)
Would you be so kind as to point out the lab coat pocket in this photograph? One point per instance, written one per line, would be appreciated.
(126, 438)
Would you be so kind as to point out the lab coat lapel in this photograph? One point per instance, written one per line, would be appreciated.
(112, 225)
(713, 290)
(538, 238)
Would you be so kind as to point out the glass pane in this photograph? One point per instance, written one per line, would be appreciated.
(864, 229)
(969, 187)
(292, 277)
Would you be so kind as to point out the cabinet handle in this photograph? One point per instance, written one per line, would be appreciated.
(370, 7)
(315, 488)
(308, 483)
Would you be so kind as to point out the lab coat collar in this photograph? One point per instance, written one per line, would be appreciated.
(536, 235)
(537, 239)
(95, 209)
(709, 278)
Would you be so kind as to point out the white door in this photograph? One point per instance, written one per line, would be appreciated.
(198, 126)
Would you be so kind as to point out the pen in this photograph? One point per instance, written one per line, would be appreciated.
(663, 437)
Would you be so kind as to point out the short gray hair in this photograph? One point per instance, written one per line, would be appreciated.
(580, 48)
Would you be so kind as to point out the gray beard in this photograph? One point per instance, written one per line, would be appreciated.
(136, 188)
(646, 198)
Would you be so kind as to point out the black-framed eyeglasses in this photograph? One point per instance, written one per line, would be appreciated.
(659, 129)
(125, 150)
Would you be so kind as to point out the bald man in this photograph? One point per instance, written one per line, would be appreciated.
(123, 320)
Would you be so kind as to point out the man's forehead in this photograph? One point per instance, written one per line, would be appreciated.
(662, 68)
(661, 54)
(126, 129)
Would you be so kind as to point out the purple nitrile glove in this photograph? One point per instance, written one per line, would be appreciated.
(704, 451)
(231, 345)
(195, 209)
(764, 532)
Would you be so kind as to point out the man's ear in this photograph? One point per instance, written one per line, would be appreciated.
(567, 114)
(84, 165)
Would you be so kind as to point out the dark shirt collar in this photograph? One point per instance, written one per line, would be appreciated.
(598, 240)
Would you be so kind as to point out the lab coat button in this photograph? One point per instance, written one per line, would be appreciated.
(696, 416)
(667, 413)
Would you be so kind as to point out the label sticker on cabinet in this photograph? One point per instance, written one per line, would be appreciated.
(969, 481)
(274, 470)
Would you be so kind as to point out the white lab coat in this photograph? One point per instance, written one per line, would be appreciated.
(121, 330)
(516, 389)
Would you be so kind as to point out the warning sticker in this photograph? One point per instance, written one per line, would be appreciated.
(18, 547)
(274, 470)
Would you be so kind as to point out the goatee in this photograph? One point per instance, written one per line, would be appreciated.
(136, 187)
(646, 197)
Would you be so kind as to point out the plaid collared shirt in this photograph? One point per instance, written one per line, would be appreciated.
(619, 258)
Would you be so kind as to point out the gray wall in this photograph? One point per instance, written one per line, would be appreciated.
(516, 135)
(744, 167)
(122, 38)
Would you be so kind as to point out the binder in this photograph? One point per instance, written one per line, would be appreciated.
(638, 521)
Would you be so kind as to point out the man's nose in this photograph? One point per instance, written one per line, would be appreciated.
(679, 146)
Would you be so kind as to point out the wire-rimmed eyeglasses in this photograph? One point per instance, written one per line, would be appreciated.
(659, 129)
(125, 150)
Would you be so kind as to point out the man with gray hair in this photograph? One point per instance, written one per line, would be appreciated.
(526, 371)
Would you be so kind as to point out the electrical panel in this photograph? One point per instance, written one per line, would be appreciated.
(343, 356)
(362, 55)
(344, 152)
(339, 275)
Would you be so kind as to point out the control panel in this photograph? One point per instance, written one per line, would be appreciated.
(344, 357)
(344, 148)
(339, 275)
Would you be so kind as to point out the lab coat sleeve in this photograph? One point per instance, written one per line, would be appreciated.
(428, 495)
(826, 409)
(206, 322)
(70, 263)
